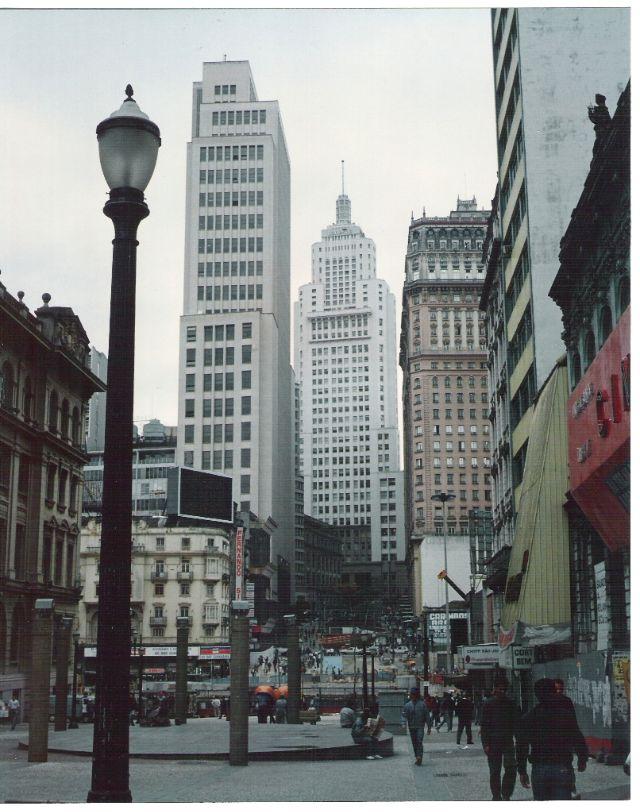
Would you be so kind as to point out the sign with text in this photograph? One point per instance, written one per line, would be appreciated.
(484, 656)
(239, 564)
(516, 658)
(149, 651)
(215, 652)
(602, 606)
(438, 624)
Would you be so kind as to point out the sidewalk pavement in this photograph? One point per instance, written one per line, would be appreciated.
(448, 773)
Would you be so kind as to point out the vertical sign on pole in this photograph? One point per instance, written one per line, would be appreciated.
(239, 564)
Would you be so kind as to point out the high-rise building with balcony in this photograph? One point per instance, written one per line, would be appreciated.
(236, 384)
(345, 363)
(445, 390)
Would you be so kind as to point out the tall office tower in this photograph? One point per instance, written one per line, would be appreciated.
(236, 381)
(96, 415)
(345, 363)
(445, 402)
(548, 64)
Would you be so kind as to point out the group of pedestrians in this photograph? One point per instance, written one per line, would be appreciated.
(547, 737)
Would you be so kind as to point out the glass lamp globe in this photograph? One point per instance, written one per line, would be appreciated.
(128, 143)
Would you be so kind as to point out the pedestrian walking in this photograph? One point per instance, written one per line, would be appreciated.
(14, 712)
(500, 715)
(446, 712)
(416, 714)
(464, 710)
(216, 707)
(562, 697)
(548, 736)
(430, 703)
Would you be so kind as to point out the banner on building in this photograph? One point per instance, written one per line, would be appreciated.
(516, 658)
(215, 652)
(602, 607)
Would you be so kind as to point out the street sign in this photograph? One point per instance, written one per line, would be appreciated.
(480, 657)
(240, 564)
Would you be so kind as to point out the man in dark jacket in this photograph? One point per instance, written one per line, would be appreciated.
(497, 728)
(464, 709)
(549, 736)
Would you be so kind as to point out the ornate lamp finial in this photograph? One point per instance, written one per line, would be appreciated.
(46, 298)
(129, 91)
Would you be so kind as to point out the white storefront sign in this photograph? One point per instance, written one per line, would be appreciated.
(150, 651)
(484, 656)
(602, 606)
(516, 658)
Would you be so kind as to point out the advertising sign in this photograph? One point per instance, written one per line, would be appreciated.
(222, 652)
(438, 624)
(149, 651)
(516, 658)
(484, 656)
(239, 564)
(602, 607)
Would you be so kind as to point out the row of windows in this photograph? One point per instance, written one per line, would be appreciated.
(224, 90)
(460, 398)
(222, 381)
(518, 343)
(216, 408)
(471, 381)
(235, 222)
(251, 175)
(222, 332)
(450, 365)
(251, 152)
(229, 293)
(519, 212)
(232, 268)
(523, 397)
(217, 437)
(520, 276)
(230, 245)
(242, 198)
(219, 357)
(448, 414)
(222, 117)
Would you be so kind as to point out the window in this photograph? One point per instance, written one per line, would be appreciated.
(185, 543)
(246, 379)
(246, 330)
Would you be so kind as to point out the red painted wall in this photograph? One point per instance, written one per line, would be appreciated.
(599, 436)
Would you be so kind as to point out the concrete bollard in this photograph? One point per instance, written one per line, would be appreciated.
(239, 722)
(293, 670)
(40, 677)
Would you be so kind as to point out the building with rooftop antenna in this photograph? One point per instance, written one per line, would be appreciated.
(345, 365)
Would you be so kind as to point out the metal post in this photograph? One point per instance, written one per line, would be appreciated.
(40, 680)
(365, 686)
(73, 722)
(446, 609)
(239, 689)
(293, 670)
(182, 649)
(110, 773)
(140, 672)
(62, 633)
(373, 683)
(425, 650)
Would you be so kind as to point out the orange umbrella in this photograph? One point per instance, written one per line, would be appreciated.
(266, 689)
(283, 690)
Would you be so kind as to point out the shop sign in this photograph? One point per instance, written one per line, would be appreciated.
(438, 623)
(583, 400)
(484, 656)
(148, 651)
(215, 652)
(516, 658)
(602, 607)
(239, 564)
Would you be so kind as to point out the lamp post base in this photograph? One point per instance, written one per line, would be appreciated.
(107, 797)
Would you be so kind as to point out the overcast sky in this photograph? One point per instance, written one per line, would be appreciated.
(403, 96)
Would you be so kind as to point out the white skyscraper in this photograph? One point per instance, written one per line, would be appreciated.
(235, 408)
(345, 361)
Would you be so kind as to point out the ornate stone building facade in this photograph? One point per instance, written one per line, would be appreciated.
(45, 385)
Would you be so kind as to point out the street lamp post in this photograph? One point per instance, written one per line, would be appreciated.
(442, 498)
(73, 722)
(128, 144)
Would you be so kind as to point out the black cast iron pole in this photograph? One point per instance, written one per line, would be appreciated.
(73, 722)
(110, 772)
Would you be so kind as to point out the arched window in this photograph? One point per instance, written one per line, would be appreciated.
(6, 385)
(75, 426)
(624, 295)
(576, 369)
(589, 349)
(18, 642)
(606, 324)
(53, 412)
(434, 382)
(64, 420)
(27, 399)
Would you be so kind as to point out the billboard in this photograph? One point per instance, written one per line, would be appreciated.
(199, 495)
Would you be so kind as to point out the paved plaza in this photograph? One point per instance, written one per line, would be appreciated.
(448, 773)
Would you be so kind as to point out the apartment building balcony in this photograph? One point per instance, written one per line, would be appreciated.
(212, 576)
(185, 575)
(188, 618)
(157, 621)
(159, 576)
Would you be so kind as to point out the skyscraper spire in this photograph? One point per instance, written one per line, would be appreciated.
(343, 205)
